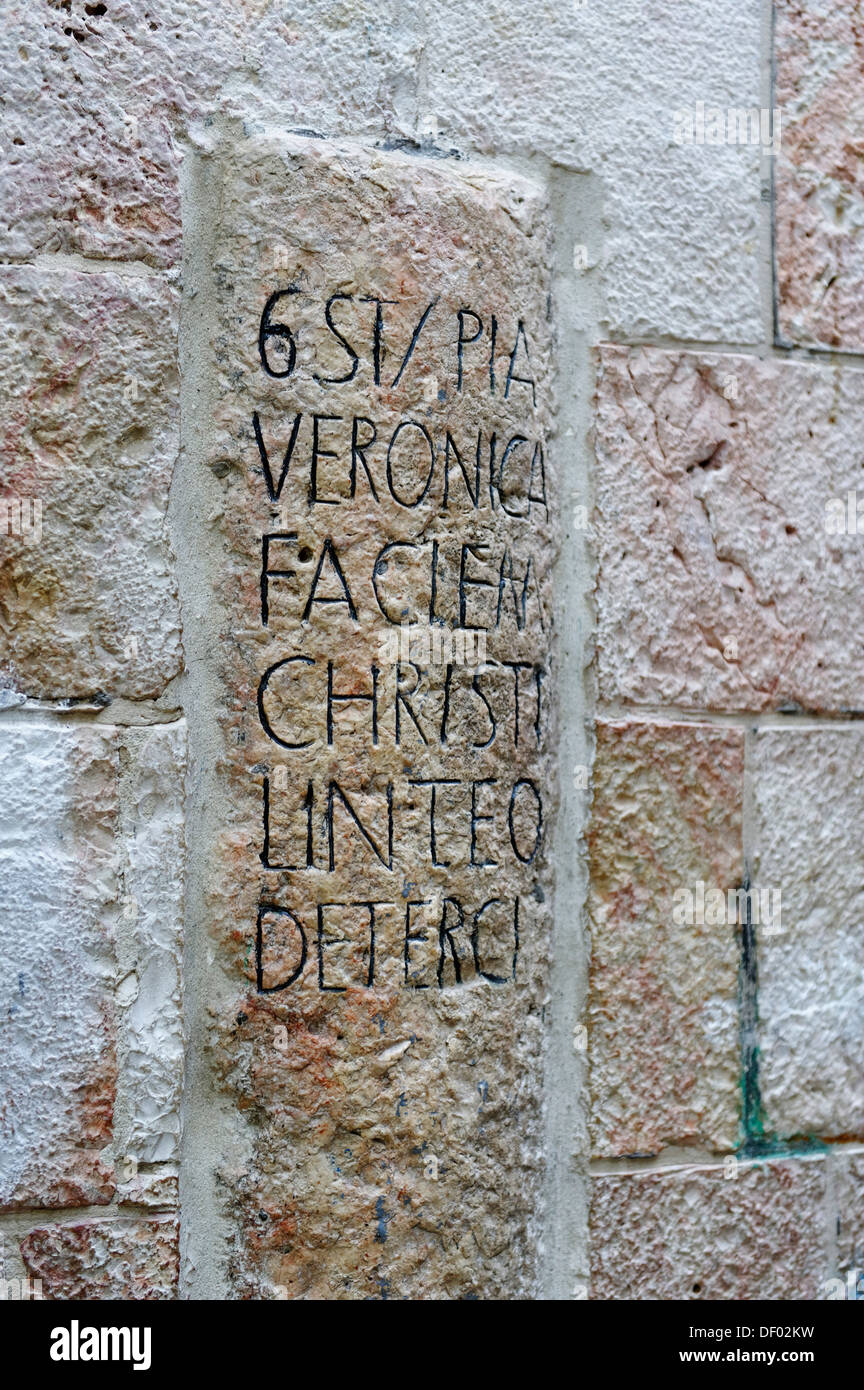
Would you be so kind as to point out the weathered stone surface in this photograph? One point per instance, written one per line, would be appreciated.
(571, 82)
(808, 809)
(95, 170)
(849, 1208)
(694, 1233)
(91, 872)
(151, 943)
(391, 1081)
(98, 106)
(719, 586)
(58, 810)
(88, 382)
(156, 1187)
(107, 1259)
(663, 1029)
(819, 232)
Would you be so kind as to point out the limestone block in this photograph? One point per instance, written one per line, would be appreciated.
(819, 228)
(725, 579)
(151, 942)
(570, 81)
(739, 1231)
(105, 1259)
(849, 1207)
(99, 106)
(91, 892)
(88, 379)
(380, 412)
(58, 880)
(663, 1042)
(808, 806)
(155, 1187)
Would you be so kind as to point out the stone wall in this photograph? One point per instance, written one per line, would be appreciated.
(429, 650)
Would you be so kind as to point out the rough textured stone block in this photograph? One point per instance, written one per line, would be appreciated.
(819, 232)
(390, 1064)
(156, 1187)
(719, 585)
(694, 1233)
(808, 810)
(91, 874)
(98, 106)
(663, 1029)
(849, 1209)
(99, 176)
(150, 942)
(105, 1259)
(89, 389)
(572, 83)
(58, 811)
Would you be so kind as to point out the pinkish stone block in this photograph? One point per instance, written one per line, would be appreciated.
(720, 583)
(696, 1233)
(849, 1208)
(98, 108)
(90, 432)
(819, 179)
(663, 1028)
(105, 1259)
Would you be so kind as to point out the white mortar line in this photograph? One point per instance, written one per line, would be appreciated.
(117, 713)
(687, 1161)
(211, 1134)
(576, 208)
(614, 712)
(23, 1219)
(767, 279)
(63, 262)
(763, 350)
